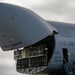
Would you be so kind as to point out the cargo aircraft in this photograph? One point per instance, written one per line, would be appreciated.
(40, 46)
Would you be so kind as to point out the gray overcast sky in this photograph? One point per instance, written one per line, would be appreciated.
(56, 10)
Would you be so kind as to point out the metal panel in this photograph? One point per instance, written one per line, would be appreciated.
(20, 27)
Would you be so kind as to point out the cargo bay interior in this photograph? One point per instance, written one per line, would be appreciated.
(36, 55)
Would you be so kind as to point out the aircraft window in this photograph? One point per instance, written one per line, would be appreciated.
(55, 60)
(59, 60)
(56, 57)
(74, 63)
(72, 60)
(59, 57)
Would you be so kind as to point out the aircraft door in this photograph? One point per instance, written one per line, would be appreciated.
(65, 54)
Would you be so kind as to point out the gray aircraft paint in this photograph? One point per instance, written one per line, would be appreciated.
(20, 27)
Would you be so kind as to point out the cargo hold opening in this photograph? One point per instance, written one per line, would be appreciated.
(35, 55)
